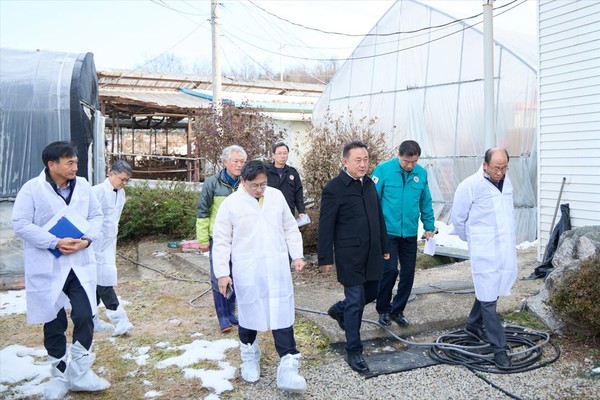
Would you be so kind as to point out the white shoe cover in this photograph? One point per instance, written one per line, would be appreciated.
(250, 368)
(120, 321)
(58, 386)
(287, 374)
(101, 326)
(81, 377)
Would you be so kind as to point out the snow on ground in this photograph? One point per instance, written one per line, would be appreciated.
(445, 238)
(23, 371)
(12, 302)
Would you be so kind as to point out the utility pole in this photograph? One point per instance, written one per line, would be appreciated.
(488, 74)
(280, 63)
(216, 56)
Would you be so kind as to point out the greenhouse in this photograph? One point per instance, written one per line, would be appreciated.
(419, 73)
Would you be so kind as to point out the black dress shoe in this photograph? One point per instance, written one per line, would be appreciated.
(479, 333)
(337, 316)
(384, 319)
(501, 360)
(400, 319)
(357, 363)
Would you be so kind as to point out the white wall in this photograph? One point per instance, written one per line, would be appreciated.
(296, 138)
(569, 116)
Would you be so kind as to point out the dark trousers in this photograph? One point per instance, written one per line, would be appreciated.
(214, 282)
(285, 343)
(352, 308)
(403, 250)
(107, 295)
(483, 314)
(55, 340)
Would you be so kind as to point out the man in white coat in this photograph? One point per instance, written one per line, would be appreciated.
(60, 268)
(483, 215)
(255, 228)
(111, 195)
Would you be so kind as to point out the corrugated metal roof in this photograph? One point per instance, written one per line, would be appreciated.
(170, 94)
(146, 80)
(154, 98)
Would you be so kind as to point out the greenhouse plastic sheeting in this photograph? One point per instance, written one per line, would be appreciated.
(45, 96)
(427, 85)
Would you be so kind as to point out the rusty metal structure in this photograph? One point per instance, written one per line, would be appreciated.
(150, 115)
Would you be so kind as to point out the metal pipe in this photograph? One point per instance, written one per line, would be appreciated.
(488, 74)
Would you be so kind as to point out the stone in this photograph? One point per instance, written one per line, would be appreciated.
(574, 246)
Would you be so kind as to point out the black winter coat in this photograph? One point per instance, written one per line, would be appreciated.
(352, 227)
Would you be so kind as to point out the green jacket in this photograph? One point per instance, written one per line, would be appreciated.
(214, 191)
(403, 203)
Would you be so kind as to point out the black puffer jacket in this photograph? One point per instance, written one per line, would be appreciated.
(289, 184)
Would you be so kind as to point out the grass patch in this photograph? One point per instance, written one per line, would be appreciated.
(312, 343)
(524, 318)
(425, 262)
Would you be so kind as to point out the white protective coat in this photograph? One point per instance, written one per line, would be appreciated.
(484, 217)
(45, 275)
(105, 247)
(258, 240)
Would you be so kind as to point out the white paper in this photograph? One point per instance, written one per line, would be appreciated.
(429, 248)
(72, 215)
(303, 220)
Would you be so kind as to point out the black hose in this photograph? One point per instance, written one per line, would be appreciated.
(525, 347)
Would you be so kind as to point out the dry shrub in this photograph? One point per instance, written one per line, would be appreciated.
(575, 298)
(322, 161)
(244, 126)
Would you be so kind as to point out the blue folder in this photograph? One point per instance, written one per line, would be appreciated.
(62, 229)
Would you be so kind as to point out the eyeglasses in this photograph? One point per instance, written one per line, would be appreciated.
(255, 186)
(123, 180)
(497, 169)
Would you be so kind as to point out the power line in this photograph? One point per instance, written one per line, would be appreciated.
(373, 34)
(162, 3)
(465, 26)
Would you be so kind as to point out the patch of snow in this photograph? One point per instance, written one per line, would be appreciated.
(216, 380)
(12, 302)
(199, 350)
(19, 369)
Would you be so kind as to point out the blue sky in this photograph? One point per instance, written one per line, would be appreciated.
(124, 34)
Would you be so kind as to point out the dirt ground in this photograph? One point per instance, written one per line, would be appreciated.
(168, 304)
(165, 305)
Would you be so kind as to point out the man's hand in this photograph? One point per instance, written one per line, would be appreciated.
(327, 268)
(204, 247)
(69, 245)
(298, 264)
(386, 256)
(222, 283)
(428, 235)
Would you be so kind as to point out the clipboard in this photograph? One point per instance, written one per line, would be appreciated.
(62, 229)
(66, 223)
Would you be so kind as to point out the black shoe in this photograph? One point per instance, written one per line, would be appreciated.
(501, 360)
(357, 363)
(337, 316)
(479, 333)
(400, 319)
(384, 319)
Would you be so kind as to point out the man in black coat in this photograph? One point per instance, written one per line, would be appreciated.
(285, 178)
(351, 225)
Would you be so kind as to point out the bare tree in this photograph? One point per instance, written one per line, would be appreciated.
(167, 63)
